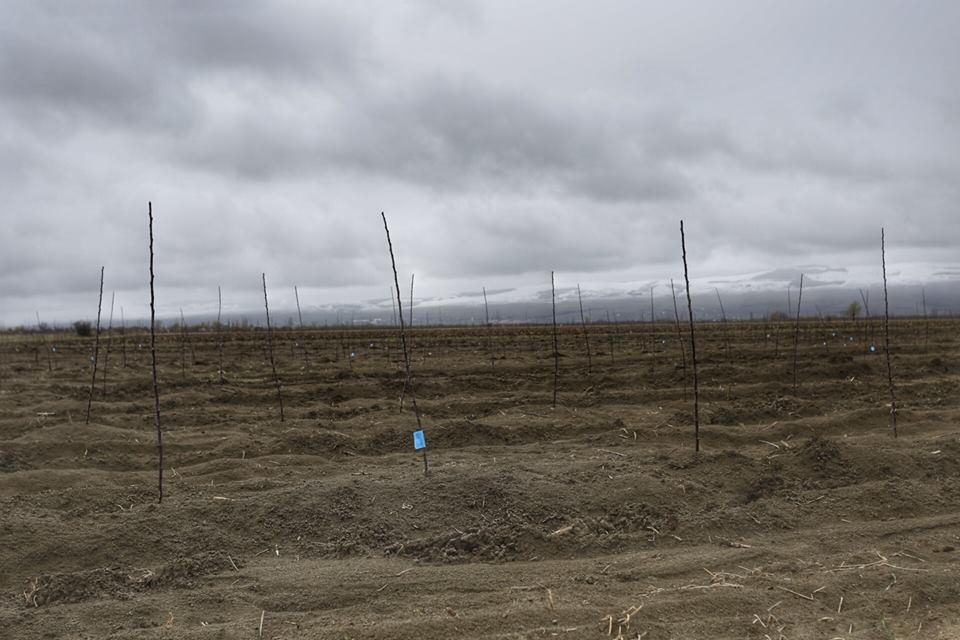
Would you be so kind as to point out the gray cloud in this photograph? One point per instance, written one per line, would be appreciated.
(501, 144)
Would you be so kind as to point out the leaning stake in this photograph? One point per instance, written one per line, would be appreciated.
(586, 336)
(106, 357)
(408, 381)
(219, 335)
(486, 315)
(886, 335)
(693, 347)
(96, 351)
(273, 362)
(796, 338)
(556, 346)
(153, 365)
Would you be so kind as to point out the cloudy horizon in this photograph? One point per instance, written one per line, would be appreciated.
(502, 139)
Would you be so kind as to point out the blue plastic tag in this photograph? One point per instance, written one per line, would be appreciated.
(419, 440)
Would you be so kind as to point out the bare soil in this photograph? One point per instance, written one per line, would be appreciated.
(801, 516)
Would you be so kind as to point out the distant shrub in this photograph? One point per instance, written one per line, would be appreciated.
(83, 328)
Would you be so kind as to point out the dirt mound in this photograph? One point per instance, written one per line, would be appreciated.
(52, 588)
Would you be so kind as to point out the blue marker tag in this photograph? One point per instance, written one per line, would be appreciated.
(419, 440)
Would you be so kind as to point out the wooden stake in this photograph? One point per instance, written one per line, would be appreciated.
(96, 351)
(723, 321)
(408, 382)
(926, 320)
(183, 346)
(866, 317)
(486, 313)
(303, 346)
(153, 366)
(613, 335)
(796, 339)
(556, 346)
(123, 339)
(693, 346)
(653, 336)
(886, 334)
(219, 335)
(586, 335)
(46, 347)
(273, 362)
(106, 356)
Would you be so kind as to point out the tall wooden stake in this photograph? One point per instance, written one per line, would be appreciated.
(653, 337)
(586, 336)
(486, 314)
(219, 335)
(612, 335)
(723, 321)
(886, 334)
(926, 319)
(693, 347)
(96, 351)
(153, 366)
(796, 339)
(866, 317)
(408, 382)
(46, 347)
(106, 356)
(183, 346)
(303, 337)
(556, 341)
(123, 339)
(273, 362)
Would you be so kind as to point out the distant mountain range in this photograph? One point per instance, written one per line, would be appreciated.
(827, 291)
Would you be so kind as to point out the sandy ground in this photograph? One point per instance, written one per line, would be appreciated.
(801, 517)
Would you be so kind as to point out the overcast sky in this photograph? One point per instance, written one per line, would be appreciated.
(502, 138)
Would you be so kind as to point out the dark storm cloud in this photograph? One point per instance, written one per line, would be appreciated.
(452, 135)
(139, 66)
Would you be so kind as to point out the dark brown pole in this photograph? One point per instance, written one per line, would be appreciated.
(886, 335)
(273, 362)
(586, 336)
(612, 335)
(96, 351)
(408, 382)
(866, 317)
(926, 319)
(183, 346)
(556, 346)
(123, 338)
(219, 335)
(486, 313)
(796, 339)
(153, 365)
(653, 337)
(693, 347)
(303, 337)
(106, 356)
(723, 321)
(46, 347)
